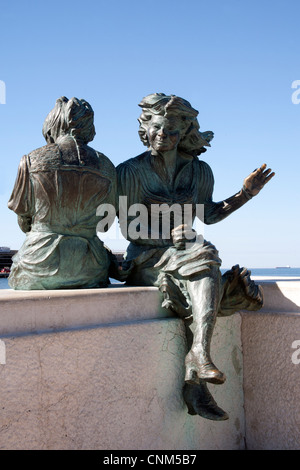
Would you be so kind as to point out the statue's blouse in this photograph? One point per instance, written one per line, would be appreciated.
(57, 191)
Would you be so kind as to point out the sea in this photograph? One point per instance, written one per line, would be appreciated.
(273, 273)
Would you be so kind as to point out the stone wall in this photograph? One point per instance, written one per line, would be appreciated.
(104, 369)
(272, 369)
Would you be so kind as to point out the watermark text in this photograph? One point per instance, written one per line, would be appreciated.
(2, 92)
(296, 354)
(296, 93)
(154, 221)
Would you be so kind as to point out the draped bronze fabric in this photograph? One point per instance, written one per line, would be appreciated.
(155, 261)
(57, 191)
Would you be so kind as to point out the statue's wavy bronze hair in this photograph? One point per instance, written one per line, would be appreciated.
(70, 117)
(192, 141)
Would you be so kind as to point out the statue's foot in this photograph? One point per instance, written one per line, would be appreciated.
(207, 371)
(200, 402)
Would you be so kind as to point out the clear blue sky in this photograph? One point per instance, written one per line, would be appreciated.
(234, 60)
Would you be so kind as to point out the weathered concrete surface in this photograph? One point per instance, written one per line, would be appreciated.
(53, 310)
(113, 383)
(270, 341)
(103, 369)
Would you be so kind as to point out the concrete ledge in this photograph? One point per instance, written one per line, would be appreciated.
(281, 296)
(24, 312)
(103, 369)
(272, 368)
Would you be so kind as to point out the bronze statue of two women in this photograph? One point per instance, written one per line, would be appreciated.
(59, 187)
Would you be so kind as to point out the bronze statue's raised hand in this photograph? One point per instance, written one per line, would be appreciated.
(256, 180)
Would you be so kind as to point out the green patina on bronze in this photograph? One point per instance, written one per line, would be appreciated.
(56, 194)
(60, 186)
(188, 275)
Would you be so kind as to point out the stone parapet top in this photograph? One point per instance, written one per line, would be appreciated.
(110, 291)
(26, 312)
(281, 295)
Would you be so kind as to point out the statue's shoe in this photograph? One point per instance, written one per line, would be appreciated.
(208, 372)
(200, 402)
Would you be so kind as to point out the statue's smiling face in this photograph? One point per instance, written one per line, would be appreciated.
(164, 133)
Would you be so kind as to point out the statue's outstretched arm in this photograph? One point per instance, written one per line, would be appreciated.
(217, 211)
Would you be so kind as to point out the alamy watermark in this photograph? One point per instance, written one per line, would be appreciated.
(2, 92)
(296, 354)
(2, 352)
(154, 221)
(296, 93)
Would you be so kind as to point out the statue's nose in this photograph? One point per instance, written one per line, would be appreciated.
(162, 131)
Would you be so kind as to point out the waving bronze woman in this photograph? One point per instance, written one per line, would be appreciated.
(188, 274)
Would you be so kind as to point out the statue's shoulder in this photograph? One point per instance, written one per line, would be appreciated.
(44, 156)
(106, 166)
(134, 163)
(204, 169)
